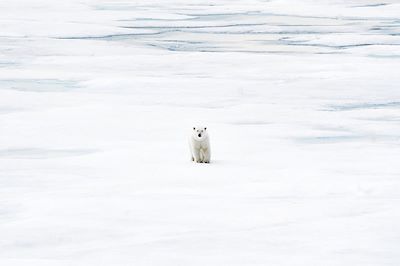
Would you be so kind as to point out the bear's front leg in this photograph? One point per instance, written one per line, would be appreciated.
(196, 155)
(206, 156)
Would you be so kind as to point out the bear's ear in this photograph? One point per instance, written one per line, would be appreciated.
(194, 128)
(205, 128)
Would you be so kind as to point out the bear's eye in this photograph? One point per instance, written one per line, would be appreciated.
(194, 128)
(205, 128)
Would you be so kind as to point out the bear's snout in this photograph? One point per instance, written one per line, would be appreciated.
(199, 135)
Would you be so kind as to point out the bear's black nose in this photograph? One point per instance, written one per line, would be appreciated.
(199, 135)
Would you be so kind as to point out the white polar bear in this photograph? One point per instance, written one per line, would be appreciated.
(199, 144)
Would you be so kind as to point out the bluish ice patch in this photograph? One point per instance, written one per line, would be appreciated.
(383, 119)
(386, 56)
(8, 211)
(6, 110)
(249, 14)
(265, 15)
(203, 23)
(197, 26)
(333, 128)
(262, 32)
(156, 19)
(7, 64)
(340, 47)
(114, 37)
(373, 5)
(39, 153)
(358, 106)
(347, 138)
(218, 16)
(182, 46)
(38, 85)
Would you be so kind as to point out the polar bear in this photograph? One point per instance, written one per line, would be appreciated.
(199, 143)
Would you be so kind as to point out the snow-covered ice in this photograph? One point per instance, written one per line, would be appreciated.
(301, 99)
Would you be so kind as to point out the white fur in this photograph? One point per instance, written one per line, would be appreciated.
(199, 143)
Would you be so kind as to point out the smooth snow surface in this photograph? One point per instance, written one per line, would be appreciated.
(301, 100)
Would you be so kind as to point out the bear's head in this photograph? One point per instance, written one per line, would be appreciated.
(199, 133)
